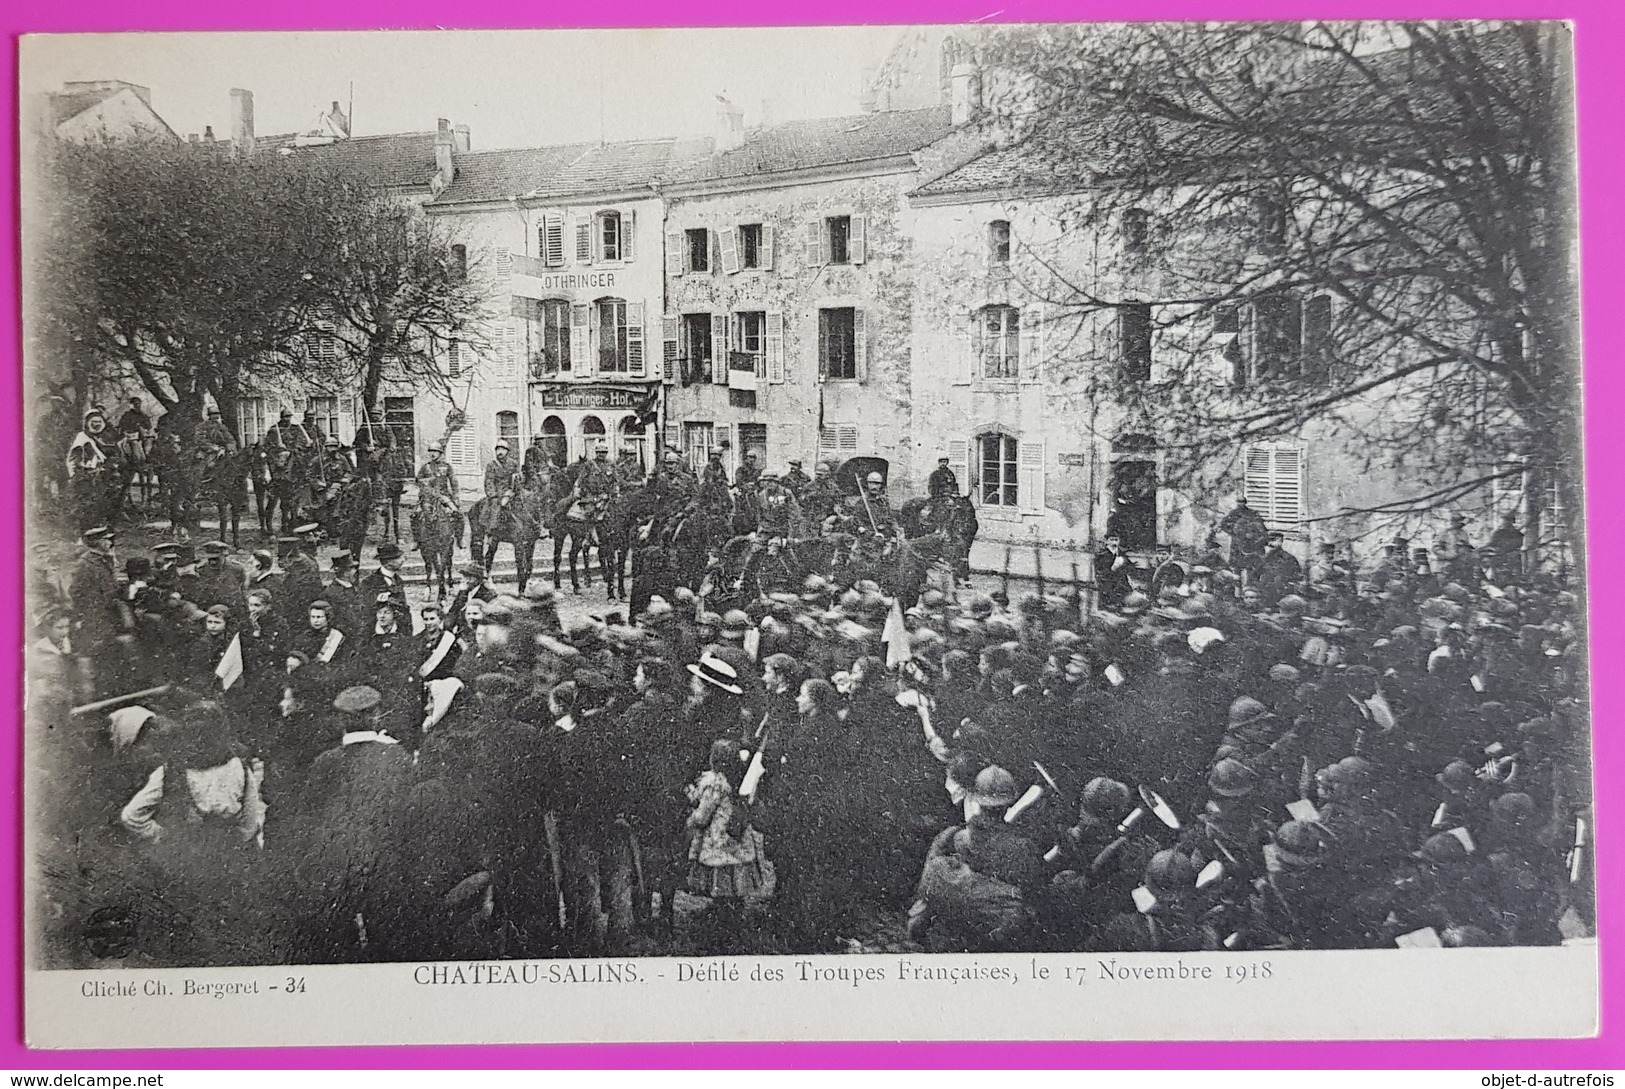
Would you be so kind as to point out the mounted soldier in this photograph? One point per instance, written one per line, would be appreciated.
(437, 478)
(501, 485)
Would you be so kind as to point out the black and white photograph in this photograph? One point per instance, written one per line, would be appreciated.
(875, 498)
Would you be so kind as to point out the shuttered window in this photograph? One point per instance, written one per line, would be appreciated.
(996, 481)
(837, 442)
(461, 451)
(999, 342)
(669, 346)
(842, 343)
(1134, 342)
(550, 240)
(614, 337)
(1274, 484)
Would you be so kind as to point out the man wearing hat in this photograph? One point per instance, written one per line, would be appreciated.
(795, 478)
(387, 655)
(302, 576)
(436, 478)
(942, 481)
(716, 474)
(213, 432)
(386, 579)
(749, 472)
(1112, 570)
(350, 612)
(475, 586)
(596, 481)
(287, 435)
(221, 581)
(501, 484)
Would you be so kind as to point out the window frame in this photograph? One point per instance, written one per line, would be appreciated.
(694, 331)
(1007, 493)
(601, 232)
(826, 337)
(697, 241)
(838, 232)
(564, 361)
(999, 248)
(1133, 369)
(751, 236)
(1007, 339)
(620, 350)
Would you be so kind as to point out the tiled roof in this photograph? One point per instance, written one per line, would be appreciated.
(400, 160)
(569, 169)
(66, 107)
(823, 142)
(507, 172)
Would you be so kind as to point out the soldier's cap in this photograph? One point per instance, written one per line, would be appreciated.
(184, 555)
(332, 442)
(97, 533)
(795, 463)
(222, 611)
(942, 458)
(357, 700)
(473, 571)
(308, 527)
(437, 448)
(214, 548)
(875, 478)
(263, 556)
(165, 549)
(389, 550)
(343, 561)
(384, 599)
(500, 445)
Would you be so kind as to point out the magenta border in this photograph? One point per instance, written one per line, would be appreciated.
(1601, 42)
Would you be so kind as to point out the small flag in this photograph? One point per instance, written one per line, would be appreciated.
(230, 669)
(1114, 675)
(1381, 713)
(1439, 814)
(1023, 803)
(1303, 810)
(1210, 873)
(1131, 820)
(1144, 901)
(1426, 938)
(895, 635)
(1465, 838)
(1053, 853)
(1478, 683)
(1155, 803)
(330, 646)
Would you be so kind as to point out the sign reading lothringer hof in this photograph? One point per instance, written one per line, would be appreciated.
(823, 755)
(631, 397)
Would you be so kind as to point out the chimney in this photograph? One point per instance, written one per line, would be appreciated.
(208, 134)
(730, 125)
(461, 140)
(445, 156)
(242, 122)
(191, 137)
(338, 120)
(966, 88)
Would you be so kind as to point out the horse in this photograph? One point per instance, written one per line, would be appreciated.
(285, 475)
(578, 518)
(396, 469)
(137, 468)
(223, 482)
(628, 516)
(177, 471)
(437, 527)
(520, 523)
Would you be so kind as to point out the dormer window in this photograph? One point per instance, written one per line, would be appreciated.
(998, 242)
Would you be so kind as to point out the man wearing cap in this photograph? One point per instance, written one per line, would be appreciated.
(1248, 536)
(869, 516)
(1278, 570)
(596, 481)
(716, 474)
(213, 432)
(476, 586)
(99, 618)
(350, 612)
(220, 581)
(386, 579)
(750, 471)
(1506, 547)
(1112, 570)
(302, 576)
(436, 478)
(287, 435)
(501, 484)
(347, 831)
(795, 478)
(942, 482)
(1456, 553)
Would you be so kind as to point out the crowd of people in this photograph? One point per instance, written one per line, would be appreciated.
(1224, 750)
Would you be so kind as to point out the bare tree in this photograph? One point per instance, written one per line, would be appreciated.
(1366, 229)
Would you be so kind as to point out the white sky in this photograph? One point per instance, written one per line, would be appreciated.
(513, 88)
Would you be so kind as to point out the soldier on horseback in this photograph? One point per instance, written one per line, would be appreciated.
(501, 485)
(437, 478)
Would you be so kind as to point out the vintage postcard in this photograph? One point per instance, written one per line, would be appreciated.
(939, 532)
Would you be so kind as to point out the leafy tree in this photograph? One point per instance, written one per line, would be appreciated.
(1417, 176)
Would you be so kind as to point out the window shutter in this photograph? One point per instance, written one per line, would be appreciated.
(674, 438)
(959, 462)
(1170, 333)
(1317, 336)
(773, 346)
(670, 329)
(817, 240)
(595, 339)
(719, 348)
(629, 236)
(1030, 475)
(634, 339)
(765, 253)
(1031, 363)
(676, 253)
(1287, 488)
(857, 247)
(504, 271)
(460, 449)
(860, 344)
(580, 335)
(823, 347)
(728, 242)
(959, 349)
(553, 239)
(510, 347)
(1258, 462)
(846, 440)
(584, 246)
